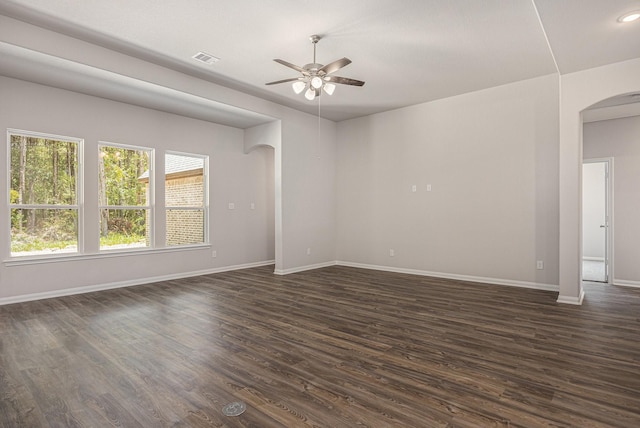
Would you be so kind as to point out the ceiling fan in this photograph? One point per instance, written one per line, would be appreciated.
(317, 77)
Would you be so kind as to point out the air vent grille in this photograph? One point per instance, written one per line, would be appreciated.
(206, 58)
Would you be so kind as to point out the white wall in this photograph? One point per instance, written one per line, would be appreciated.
(578, 91)
(620, 139)
(240, 236)
(308, 193)
(491, 159)
(594, 204)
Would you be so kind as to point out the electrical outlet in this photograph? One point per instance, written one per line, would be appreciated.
(308, 251)
(232, 206)
(414, 188)
(214, 254)
(539, 265)
(392, 252)
(252, 206)
(428, 187)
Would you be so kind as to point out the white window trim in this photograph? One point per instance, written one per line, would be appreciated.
(79, 206)
(205, 197)
(150, 201)
(80, 254)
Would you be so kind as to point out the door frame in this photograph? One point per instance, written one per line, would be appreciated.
(608, 251)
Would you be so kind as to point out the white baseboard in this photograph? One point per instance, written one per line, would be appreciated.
(484, 280)
(626, 283)
(147, 280)
(571, 300)
(121, 284)
(593, 259)
(303, 268)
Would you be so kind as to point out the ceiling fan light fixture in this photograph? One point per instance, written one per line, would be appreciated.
(316, 82)
(310, 94)
(299, 86)
(629, 17)
(329, 88)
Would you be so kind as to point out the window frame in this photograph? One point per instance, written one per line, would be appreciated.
(155, 246)
(150, 199)
(205, 199)
(79, 197)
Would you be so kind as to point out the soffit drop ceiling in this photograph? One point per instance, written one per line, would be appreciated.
(408, 52)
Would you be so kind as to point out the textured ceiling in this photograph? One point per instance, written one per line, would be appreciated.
(408, 51)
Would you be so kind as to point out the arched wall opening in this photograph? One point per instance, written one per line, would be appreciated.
(579, 91)
(270, 135)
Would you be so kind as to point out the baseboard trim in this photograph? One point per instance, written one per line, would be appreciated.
(304, 268)
(571, 300)
(626, 283)
(469, 278)
(147, 280)
(122, 284)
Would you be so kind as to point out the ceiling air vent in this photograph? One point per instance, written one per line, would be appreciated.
(206, 58)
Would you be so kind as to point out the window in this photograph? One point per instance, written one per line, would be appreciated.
(44, 175)
(185, 198)
(125, 189)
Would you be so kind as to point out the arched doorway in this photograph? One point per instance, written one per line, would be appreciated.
(270, 135)
(611, 137)
(578, 92)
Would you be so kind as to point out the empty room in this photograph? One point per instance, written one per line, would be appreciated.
(320, 214)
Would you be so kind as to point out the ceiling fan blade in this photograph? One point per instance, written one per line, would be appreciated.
(335, 65)
(295, 67)
(284, 81)
(344, 81)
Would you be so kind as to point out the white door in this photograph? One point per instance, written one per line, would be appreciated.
(595, 221)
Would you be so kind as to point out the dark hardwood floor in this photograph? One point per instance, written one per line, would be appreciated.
(334, 347)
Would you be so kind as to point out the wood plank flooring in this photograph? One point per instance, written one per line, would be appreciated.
(333, 347)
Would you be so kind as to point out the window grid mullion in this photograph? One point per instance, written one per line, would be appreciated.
(124, 207)
(43, 207)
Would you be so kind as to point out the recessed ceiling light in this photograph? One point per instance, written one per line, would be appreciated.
(206, 58)
(629, 17)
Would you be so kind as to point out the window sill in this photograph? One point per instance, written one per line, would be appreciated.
(35, 260)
